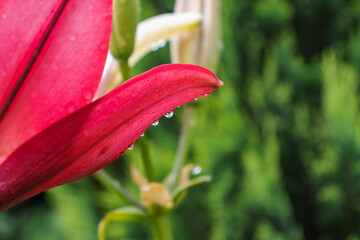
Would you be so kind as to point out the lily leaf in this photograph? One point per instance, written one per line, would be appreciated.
(124, 214)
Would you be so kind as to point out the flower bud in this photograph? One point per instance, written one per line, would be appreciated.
(184, 47)
(126, 15)
(200, 46)
(156, 194)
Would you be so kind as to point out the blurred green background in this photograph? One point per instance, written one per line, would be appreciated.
(280, 138)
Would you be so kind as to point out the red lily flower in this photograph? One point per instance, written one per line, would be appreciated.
(51, 58)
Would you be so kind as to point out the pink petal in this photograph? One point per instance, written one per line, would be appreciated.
(21, 31)
(95, 135)
(65, 74)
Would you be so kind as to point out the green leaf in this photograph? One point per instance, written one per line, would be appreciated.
(180, 192)
(124, 214)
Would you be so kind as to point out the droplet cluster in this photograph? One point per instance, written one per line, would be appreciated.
(197, 169)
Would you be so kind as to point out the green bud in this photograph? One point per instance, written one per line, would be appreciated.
(126, 15)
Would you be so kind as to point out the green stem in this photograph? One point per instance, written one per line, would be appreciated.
(144, 146)
(102, 227)
(125, 69)
(181, 149)
(115, 187)
(145, 153)
(160, 225)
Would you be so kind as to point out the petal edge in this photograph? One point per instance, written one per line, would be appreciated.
(95, 135)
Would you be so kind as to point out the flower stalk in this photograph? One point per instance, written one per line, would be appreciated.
(145, 153)
(116, 187)
(125, 69)
(181, 149)
(161, 227)
(144, 146)
(159, 222)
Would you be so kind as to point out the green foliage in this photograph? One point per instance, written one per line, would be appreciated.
(74, 210)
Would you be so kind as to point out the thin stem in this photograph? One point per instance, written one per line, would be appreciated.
(102, 227)
(145, 153)
(160, 225)
(125, 69)
(144, 146)
(181, 148)
(116, 187)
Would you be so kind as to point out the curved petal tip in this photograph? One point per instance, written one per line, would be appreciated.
(98, 133)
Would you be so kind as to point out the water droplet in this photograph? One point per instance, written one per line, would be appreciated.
(131, 147)
(169, 114)
(55, 66)
(155, 123)
(103, 46)
(4, 16)
(72, 37)
(206, 94)
(143, 134)
(122, 154)
(3, 186)
(154, 47)
(195, 99)
(70, 107)
(196, 170)
(87, 94)
(157, 45)
(162, 43)
(178, 106)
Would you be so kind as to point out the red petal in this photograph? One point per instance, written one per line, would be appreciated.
(20, 39)
(65, 74)
(92, 137)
